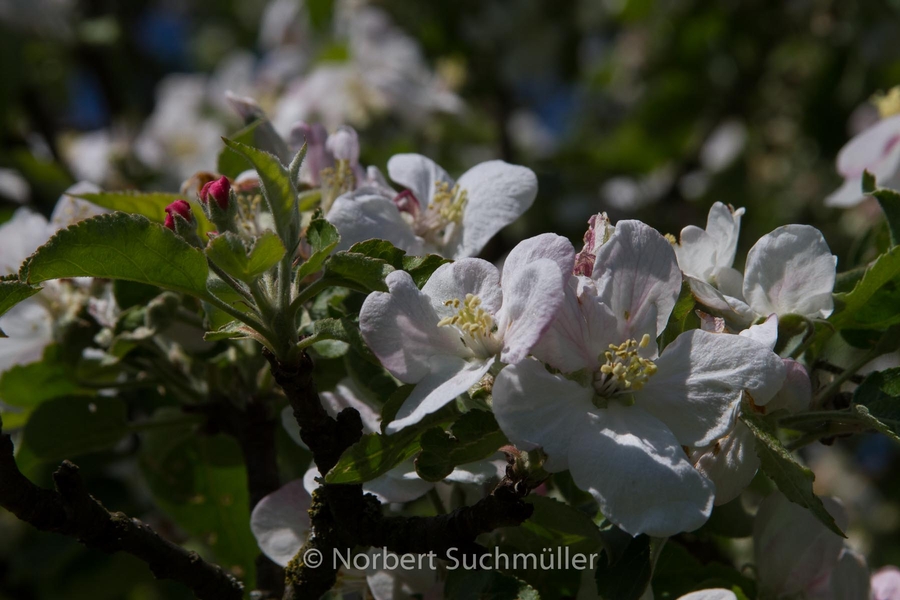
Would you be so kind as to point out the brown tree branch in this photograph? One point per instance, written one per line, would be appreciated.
(343, 517)
(70, 510)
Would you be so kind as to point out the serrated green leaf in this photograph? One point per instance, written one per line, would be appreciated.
(420, 268)
(296, 164)
(278, 191)
(71, 426)
(793, 479)
(872, 302)
(229, 252)
(474, 436)
(121, 246)
(229, 331)
(380, 249)
(627, 577)
(322, 237)
(29, 385)
(357, 272)
(230, 163)
(13, 292)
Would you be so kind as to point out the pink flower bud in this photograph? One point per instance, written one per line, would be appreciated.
(181, 208)
(219, 190)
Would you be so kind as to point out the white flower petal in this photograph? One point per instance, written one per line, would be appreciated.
(479, 472)
(696, 252)
(21, 236)
(547, 245)
(280, 522)
(400, 327)
(791, 546)
(537, 409)
(347, 394)
(638, 277)
(848, 581)
(886, 583)
(701, 376)
(766, 333)
(723, 225)
(791, 270)
(731, 463)
(418, 173)
(712, 594)
(730, 308)
(581, 332)
(360, 216)
(30, 329)
(400, 484)
(849, 194)
(877, 149)
(531, 298)
(449, 377)
(498, 194)
(452, 281)
(638, 472)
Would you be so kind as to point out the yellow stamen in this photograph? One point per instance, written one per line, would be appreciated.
(624, 368)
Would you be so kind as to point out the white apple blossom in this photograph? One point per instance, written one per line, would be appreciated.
(281, 524)
(797, 556)
(436, 214)
(788, 271)
(618, 415)
(447, 336)
(886, 583)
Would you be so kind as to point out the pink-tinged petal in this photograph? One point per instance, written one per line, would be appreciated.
(343, 144)
(448, 377)
(886, 584)
(877, 149)
(317, 156)
(280, 522)
(498, 193)
(417, 173)
(848, 581)
(401, 328)
(766, 333)
(547, 245)
(536, 409)
(581, 332)
(532, 296)
(361, 216)
(793, 550)
(638, 473)
(712, 594)
(730, 463)
(791, 271)
(796, 393)
(700, 378)
(638, 277)
(452, 281)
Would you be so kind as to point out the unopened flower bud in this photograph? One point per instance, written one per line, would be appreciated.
(181, 209)
(219, 190)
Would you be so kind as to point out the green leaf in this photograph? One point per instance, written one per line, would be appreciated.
(11, 293)
(419, 267)
(473, 437)
(29, 385)
(394, 402)
(231, 255)
(678, 573)
(627, 577)
(683, 316)
(793, 479)
(380, 249)
(877, 401)
(344, 330)
(357, 272)
(322, 237)
(374, 455)
(121, 246)
(872, 302)
(70, 426)
(277, 189)
(201, 483)
(230, 163)
(890, 204)
(296, 164)
(147, 204)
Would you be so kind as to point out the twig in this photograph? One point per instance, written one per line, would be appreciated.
(70, 510)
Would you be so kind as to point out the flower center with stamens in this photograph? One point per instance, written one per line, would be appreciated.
(439, 221)
(624, 370)
(476, 325)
